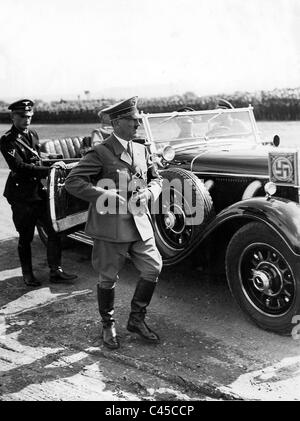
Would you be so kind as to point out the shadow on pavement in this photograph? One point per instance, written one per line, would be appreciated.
(204, 337)
(8, 254)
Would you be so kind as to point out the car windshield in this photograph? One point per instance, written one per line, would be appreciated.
(182, 130)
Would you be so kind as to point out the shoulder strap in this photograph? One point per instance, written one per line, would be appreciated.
(33, 151)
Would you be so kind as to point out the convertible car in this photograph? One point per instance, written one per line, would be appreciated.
(229, 198)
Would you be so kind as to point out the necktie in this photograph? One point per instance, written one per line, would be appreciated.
(129, 148)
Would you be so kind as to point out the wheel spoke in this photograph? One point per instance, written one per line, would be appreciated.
(260, 255)
(287, 277)
(187, 233)
(286, 293)
(272, 256)
(253, 262)
(268, 302)
(282, 265)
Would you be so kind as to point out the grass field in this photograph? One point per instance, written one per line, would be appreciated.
(289, 132)
(55, 131)
(52, 131)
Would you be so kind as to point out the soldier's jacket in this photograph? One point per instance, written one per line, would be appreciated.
(24, 180)
(107, 161)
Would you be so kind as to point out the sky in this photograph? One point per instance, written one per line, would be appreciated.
(52, 49)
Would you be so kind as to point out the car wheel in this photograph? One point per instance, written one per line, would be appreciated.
(181, 213)
(263, 276)
(65, 240)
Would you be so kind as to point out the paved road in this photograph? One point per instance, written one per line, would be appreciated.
(50, 347)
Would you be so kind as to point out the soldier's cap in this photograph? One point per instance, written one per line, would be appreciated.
(124, 109)
(224, 104)
(190, 118)
(23, 106)
(184, 109)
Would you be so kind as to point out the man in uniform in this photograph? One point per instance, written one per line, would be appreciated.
(110, 174)
(24, 192)
(226, 123)
(185, 123)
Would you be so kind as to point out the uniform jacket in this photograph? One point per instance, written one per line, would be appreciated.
(105, 162)
(23, 183)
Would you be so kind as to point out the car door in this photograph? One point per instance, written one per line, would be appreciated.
(66, 212)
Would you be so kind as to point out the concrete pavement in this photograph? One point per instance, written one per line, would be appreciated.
(50, 347)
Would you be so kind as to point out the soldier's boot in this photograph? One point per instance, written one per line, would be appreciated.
(57, 274)
(141, 299)
(106, 299)
(24, 252)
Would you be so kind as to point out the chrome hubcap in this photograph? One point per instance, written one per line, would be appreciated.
(261, 281)
(267, 279)
(170, 220)
(175, 220)
(172, 231)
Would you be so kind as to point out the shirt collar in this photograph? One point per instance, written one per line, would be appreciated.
(24, 132)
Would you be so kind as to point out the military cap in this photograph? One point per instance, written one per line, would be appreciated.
(224, 104)
(185, 109)
(24, 106)
(192, 118)
(123, 109)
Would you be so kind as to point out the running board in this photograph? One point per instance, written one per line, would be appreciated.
(86, 239)
(82, 237)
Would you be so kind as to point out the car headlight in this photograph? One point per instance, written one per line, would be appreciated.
(270, 188)
(168, 153)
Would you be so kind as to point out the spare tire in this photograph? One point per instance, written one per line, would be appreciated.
(180, 214)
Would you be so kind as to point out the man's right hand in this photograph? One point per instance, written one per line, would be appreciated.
(112, 194)
(110, 202)
(59, 164)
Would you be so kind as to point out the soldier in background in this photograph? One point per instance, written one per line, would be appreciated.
(100, 134)
(185, 123)
(226, 123)
(97, 136)
(26, 195)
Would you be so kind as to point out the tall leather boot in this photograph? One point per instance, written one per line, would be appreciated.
(57, 274)
(24, 251)
(141, 299)
(106, 299)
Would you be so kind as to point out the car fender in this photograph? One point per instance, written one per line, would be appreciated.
(283, 216)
